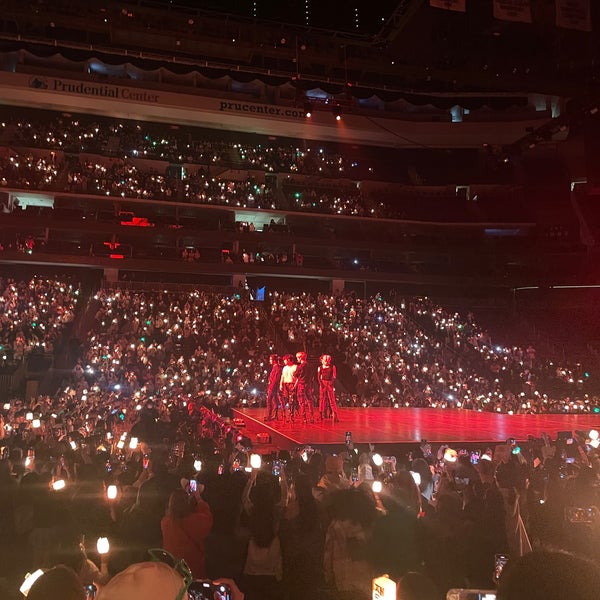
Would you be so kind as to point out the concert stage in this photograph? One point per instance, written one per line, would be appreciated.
(391, 426)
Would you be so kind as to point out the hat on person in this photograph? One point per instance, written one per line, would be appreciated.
(144, 581)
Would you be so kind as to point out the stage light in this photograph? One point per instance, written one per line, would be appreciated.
(308, 110)
(337, 112)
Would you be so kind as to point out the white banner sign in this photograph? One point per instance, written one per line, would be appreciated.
(513, 10)
(574, 14)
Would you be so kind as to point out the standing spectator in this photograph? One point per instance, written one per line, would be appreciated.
(140, 528)
(185, 527)
(395, 545)
(263, 571)
(346, 562)
(302, 542)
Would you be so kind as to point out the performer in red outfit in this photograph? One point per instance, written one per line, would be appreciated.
(273, 401)
(326, 374)
(303, 396)
(185, 527)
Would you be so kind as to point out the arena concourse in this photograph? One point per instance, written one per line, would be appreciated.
(298, 302)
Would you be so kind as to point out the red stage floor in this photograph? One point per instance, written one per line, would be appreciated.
(392, 426)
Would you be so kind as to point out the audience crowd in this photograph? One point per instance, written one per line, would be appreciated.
(33, 314)
(409, 354)
(414, 353)
(138, 446)
(178, 478)
(119, 179)
(26, 171)
(202, 189)
(82, 133)
(34, 147)
(389, 352)
(342, 201)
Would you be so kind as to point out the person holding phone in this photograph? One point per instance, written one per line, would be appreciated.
(185, 527)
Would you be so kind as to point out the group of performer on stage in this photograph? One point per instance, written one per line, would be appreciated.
(289, 395)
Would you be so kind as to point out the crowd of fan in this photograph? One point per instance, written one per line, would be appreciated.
(119, 179)
(291, 159)
(200, 343)
(122, 178)
(152, 395)
(123, 140)
(408, 354)
(27, 171)
(20, 242)
(416, 354)
(75, 134)
(348, 202)
(177, 474)
(108, 137)
(389, 352)
(200, 188)
(33, 314)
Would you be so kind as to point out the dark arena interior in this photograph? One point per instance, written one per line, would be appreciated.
(300, 300)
